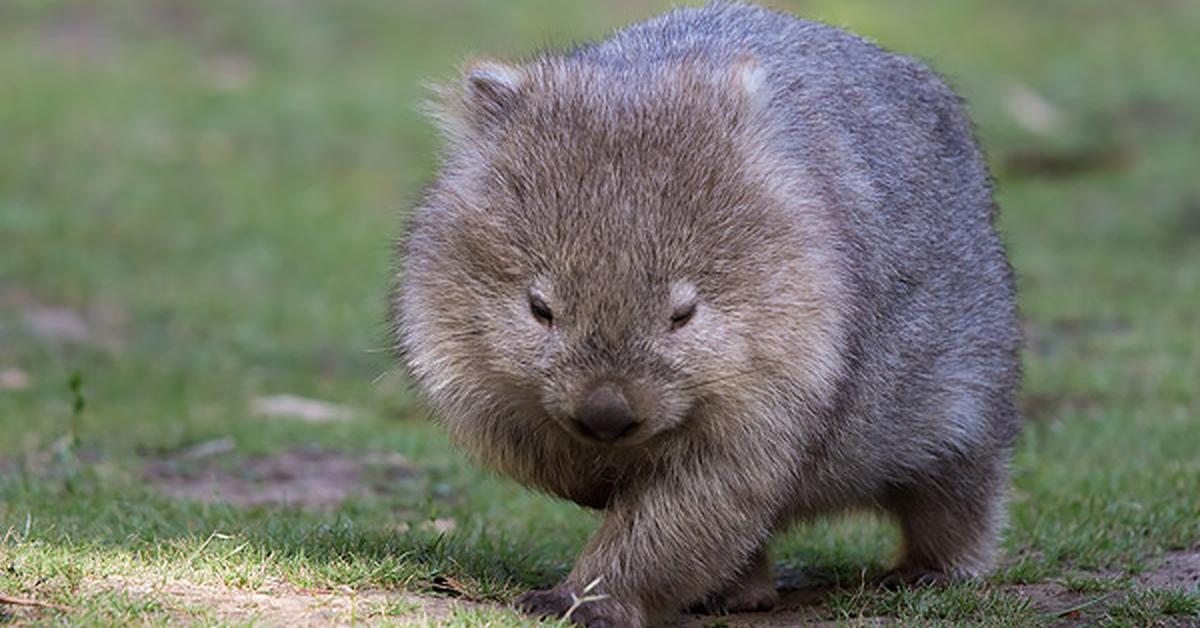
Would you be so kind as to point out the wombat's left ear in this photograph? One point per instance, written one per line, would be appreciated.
(489, 89)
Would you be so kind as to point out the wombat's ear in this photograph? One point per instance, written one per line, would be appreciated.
(489, 89)
(492, 87)
(751, 79)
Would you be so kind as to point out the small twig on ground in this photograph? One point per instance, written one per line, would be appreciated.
(1078, 607)
(16, 601)
(577, 601)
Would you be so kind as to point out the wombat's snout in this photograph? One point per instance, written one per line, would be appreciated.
(605, 414)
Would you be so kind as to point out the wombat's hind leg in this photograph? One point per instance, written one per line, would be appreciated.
(753, 590)
(950, 527)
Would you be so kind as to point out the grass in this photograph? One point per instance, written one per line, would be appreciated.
(1142, 608)
(955, 605)
(211, 189)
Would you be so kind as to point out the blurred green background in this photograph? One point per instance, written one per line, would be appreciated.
(198, 200)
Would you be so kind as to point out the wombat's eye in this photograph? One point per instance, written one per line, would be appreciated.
(682, 315)
(540, 310)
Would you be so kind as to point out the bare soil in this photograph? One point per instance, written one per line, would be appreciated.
(315, 479)
(1177, 570)
(804, 606)
(289, 606)
(283, 604)
(305, 478)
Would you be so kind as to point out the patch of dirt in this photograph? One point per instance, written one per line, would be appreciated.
(806, 607)
(1056, 601)
(1176, 570)
(305, 478)
(79, 35)
(13, 378)
(102, 324)
(177, 17)
(288, 606)
(229, 72)
(85, 35)
(803, 607)
(802, 604)
(57, 323)
(301, 409)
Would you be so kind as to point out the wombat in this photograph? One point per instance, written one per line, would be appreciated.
(721, 272)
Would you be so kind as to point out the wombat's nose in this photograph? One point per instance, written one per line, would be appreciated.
(605, 415)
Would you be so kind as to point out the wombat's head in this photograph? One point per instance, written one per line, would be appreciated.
(608, 249)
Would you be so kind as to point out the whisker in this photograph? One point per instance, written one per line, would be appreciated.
(380, 377)
(718, 380)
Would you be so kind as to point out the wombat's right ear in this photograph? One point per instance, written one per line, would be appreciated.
(489, 89)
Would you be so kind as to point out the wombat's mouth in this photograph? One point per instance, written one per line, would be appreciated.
(606, 437)
(628, 436)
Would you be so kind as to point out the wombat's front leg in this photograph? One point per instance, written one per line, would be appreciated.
(752, 590)
(683, 535)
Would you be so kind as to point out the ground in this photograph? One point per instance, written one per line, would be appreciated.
(199, 420)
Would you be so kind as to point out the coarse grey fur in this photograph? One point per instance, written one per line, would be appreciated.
(770, 245)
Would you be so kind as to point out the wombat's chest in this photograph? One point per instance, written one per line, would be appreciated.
(591, 494)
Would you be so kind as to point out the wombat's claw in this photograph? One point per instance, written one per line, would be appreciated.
(555, 603)
(911, 577)
(739, 602)
(710, 605)
(548, 603)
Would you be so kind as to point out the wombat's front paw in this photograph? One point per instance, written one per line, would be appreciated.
(592, 614)
(749, 600)
(548, 603)
(745, 599)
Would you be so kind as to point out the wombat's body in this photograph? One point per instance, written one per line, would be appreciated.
(723, 271)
